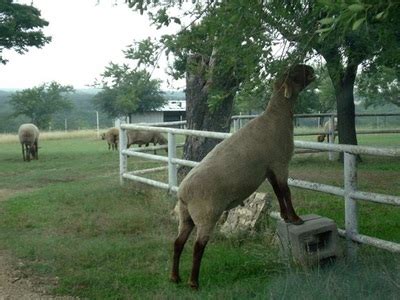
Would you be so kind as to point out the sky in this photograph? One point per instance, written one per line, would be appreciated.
(86, 36)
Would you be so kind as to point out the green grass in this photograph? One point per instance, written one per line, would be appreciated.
(66, 216)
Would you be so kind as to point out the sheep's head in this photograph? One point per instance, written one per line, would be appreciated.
(162, 140)
(295, 79)
(32, 150)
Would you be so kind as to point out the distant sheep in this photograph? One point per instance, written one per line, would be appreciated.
(142, 137)
(326, 130)
(237, 166)
(28, 135)
(112, 138)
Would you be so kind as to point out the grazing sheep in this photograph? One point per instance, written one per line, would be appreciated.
(29, 136)
(326, 129)
(237, 166)
(142, 137)
(112, 138)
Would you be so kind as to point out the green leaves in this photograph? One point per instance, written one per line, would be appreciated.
(125, 91)
(20, 28)
(358, 23)
(327, 21)
(356, 7)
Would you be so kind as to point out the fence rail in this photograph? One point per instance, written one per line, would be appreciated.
(324, 115)
(349, 192)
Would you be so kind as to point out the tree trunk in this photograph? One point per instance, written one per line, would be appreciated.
(344, 89)
(199, 78)
(343, 79)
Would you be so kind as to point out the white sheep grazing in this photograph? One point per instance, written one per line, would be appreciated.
(112, 138)
(237, 166)
(28, 135)
(326, 129)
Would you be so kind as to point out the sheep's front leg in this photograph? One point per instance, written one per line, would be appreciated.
(28, 153)
(293, 217)
(280, 196)
(283, 194)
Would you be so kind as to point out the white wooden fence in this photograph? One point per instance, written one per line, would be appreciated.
(238, 122)
(349, 192)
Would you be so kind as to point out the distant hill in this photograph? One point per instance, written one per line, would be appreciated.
(82, 116)
(175, 95)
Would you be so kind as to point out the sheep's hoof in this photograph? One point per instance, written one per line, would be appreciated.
(296, 221)
(194, 286)
(175, 279)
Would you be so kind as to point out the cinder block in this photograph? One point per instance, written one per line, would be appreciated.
(310, 242)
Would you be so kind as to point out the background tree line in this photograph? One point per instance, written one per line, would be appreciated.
(229, 51)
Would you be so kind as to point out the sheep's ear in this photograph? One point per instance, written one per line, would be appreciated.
(288, 89)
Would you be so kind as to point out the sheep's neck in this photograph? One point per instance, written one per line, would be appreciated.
(280, 106)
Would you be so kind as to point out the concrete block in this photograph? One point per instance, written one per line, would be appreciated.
(310, 242)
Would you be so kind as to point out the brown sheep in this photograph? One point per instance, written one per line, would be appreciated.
(112, 138)
(237, 166)
(142, 137)
(28, 135)
(326, 128)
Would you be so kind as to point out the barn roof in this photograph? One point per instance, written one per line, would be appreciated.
(174, 105)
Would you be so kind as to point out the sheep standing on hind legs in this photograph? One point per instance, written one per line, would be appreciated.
(28, 135)
(236, 167)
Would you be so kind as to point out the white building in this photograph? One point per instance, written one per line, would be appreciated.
(174, 110)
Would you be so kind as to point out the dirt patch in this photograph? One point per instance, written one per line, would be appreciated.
(5, 194)
(14, 284)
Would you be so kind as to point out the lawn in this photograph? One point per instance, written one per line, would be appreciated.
(67, 217)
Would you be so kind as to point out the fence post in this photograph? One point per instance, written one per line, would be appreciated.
(351, 211)
(331, 135)
(123, 159)
(235, 125)
(172, 169)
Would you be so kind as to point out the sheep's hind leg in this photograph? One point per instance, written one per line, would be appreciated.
(23, 152)
(186, 226)
(203, 235)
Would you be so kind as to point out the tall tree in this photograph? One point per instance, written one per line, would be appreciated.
(334, 30)
(356, 33)
(126, 91)
(42, 102)
(215, 53)
(20, 28)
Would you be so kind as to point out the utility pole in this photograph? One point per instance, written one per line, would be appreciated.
(97, 122)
